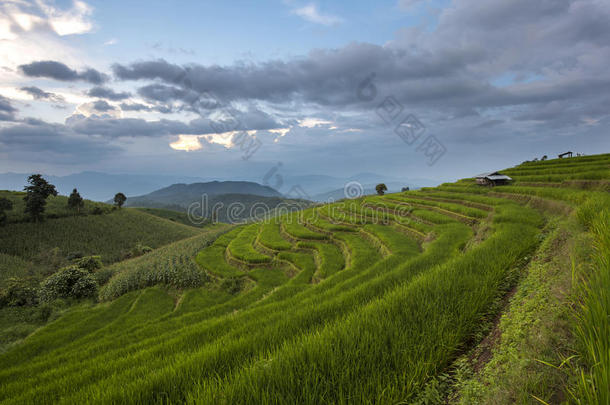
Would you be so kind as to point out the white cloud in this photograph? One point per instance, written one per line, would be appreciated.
(310, 13)
(186, 143)
(68, 22)
(313, 122)
(111, 41)
(281, 132)
(17, 17)
(192, 142)
(33, 31)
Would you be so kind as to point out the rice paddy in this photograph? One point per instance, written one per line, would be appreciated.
(359, 301)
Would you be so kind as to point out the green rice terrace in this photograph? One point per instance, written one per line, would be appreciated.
(460, 293)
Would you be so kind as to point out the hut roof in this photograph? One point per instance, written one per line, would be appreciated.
(493, 176)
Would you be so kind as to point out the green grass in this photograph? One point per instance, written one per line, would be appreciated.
(295, 228)
(56, 207)
(382, 300)
(175, 216)
(13, 266)
(110, 235)
(271, 237)
(592, 328)
(331, 258)
(242, 246)
(170, 265)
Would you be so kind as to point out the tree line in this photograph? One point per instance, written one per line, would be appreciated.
(37, 191)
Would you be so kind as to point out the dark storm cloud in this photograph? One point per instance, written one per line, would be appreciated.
(495, 76)
(107, 93)
(40, 94)
(251, 119)
(102, 106)
(129, 127)
(160, 108)
(552, 50)
(45, 142)
(161, 93)
(327, 77)
(158, 69)
(59, 71)
(7, 111)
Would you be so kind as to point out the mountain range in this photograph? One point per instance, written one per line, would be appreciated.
(103, 186)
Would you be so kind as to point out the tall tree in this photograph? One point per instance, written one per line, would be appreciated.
(119, 199)
(5, 205)
(36, 196)
(381, 188)
(75, 201)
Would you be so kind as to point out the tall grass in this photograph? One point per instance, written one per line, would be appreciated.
(593, 326)
(171, 265)
(111, 235)
(343, 303)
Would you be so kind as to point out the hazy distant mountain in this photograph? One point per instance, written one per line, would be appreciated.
(100, 186)
(232, 200)
(184, 194)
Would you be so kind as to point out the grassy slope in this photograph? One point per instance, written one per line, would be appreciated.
(35, 250)
(109, 235)
(174, 216)
(324, 319)
(56, 206)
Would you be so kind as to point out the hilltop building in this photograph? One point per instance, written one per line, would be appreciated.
(492, 179)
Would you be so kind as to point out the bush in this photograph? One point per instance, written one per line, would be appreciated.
(97, 211)
(18, 292)
(70, 282)
(74, 255)
(102, 276)
(138, 250)
(89, 263)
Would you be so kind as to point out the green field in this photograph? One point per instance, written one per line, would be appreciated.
(455, 294)
(175, 216)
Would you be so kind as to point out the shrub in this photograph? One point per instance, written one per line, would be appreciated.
(18, 292)
(74, 255)
(97, 211)
(102, 276)
(89, 263)
(70, 282)
(140, 249)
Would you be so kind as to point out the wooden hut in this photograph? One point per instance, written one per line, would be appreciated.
(492, 179)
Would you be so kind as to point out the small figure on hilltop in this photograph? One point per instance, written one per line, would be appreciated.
(36, 196)
(75, 201)
(381, 188)
(119, 199)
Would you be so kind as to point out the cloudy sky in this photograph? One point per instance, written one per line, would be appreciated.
(403, 88)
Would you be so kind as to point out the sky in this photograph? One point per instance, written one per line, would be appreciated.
(407, 89)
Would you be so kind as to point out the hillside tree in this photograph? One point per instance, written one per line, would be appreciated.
(381, 188)
(36, 196)
(119, 199)
(5, 205)
(75, 201)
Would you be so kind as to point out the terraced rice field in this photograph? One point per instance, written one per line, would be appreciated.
(362, 301)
